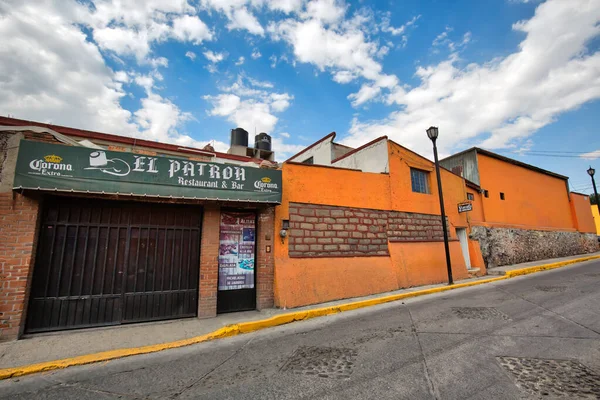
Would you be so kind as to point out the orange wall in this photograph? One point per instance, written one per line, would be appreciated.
(404, 199)
(582, 214)
(532, 200)
(302, 281)
(424, 263)
(476, 216)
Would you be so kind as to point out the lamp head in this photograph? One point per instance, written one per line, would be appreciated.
(591, 171)
(432, 133)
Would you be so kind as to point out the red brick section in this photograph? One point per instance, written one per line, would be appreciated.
(18, 225)
(328, 231)
(265, 263)
(40, 137)
(409, 227)
(209, 263)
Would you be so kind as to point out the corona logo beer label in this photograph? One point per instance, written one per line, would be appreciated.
(52, 158)
(266, 179)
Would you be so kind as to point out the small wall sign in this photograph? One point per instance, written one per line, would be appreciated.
(464, 207)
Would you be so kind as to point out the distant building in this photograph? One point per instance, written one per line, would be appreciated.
(521, 212)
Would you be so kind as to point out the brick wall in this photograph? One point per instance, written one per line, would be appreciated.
(209, 263)
(18, 226)
(265, 264)
(327, 231)
(409, 227)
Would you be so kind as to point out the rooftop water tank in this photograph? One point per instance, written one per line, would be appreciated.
(239, 137)
(262, 141)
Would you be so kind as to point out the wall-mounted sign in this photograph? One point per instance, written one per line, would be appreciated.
(464, 207)
(236, 251)
(80, 169)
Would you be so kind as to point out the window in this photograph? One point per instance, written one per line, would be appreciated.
(470, 196)
(501, 196)
(486, 193)
(419, 180)
(309, 160)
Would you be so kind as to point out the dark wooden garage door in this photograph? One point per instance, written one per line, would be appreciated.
(107, 263)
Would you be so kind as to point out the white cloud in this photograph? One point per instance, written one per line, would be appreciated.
(502, 102)
(344, 76)
(214, 57)
(344, 49)
(75, 87)
(325, 11)
(285, 135)
(192, 29)
(242, 19)
(158, 62)
(130, 27)
(240, 61)
(249, 107)
(592, 155)
(386, 27)
(191, 55)
(256, 54)
(287, 6)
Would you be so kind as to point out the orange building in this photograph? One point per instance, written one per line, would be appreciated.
(521, 212)
(367, 220)
(364, 221)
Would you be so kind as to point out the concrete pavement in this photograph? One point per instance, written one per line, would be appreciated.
(517, 338)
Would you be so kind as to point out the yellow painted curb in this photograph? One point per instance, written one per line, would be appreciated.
(251, 326)
(538, 268)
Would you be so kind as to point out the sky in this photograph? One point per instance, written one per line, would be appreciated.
(518, 77)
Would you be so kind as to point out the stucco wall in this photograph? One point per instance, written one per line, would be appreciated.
(532, 200)
(505, 246)
(321, 153)
(373, 158)
(582, 214)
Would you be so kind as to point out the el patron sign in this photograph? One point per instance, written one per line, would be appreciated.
(68, 168)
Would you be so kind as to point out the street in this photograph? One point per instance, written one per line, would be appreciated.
(528, 337)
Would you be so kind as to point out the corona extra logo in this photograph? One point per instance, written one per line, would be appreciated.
(266, 179)
(53, 159)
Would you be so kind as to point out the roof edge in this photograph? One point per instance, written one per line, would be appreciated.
(65, 130)
(356, 150)
(332, 134)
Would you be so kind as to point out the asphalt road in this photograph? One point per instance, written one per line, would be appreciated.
(528, 337)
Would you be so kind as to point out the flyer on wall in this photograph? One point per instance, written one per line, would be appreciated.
(236, 251)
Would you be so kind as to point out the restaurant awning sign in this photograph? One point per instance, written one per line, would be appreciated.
(44, 166)
(464, 207)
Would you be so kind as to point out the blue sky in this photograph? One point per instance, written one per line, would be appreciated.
(519, 77)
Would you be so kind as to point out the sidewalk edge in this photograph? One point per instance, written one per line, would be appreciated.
(251, 326)
(545, 267)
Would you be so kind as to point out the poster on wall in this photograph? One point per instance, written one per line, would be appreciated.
(236, 251)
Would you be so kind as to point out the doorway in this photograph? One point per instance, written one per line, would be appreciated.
(102, 262)
(237, 262)
(464, 244)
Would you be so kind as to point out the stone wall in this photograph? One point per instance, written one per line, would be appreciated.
(503, 246)
(318, 230)
(329, 231)
(410, 227)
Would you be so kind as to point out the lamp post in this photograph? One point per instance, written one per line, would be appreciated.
(591, 171)
(432, 133)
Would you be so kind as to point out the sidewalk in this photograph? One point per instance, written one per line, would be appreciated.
(82, 346)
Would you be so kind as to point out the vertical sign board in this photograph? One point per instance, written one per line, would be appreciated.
(236, 250)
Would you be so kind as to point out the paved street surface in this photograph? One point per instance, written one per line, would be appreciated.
(528, 337)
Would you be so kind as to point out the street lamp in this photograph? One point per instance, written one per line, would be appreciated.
(432, 133)
(591, 171)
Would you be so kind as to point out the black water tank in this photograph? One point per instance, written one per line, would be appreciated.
(262, 141)
(239, 137)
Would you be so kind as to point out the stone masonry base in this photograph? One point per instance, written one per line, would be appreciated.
(505, 246)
